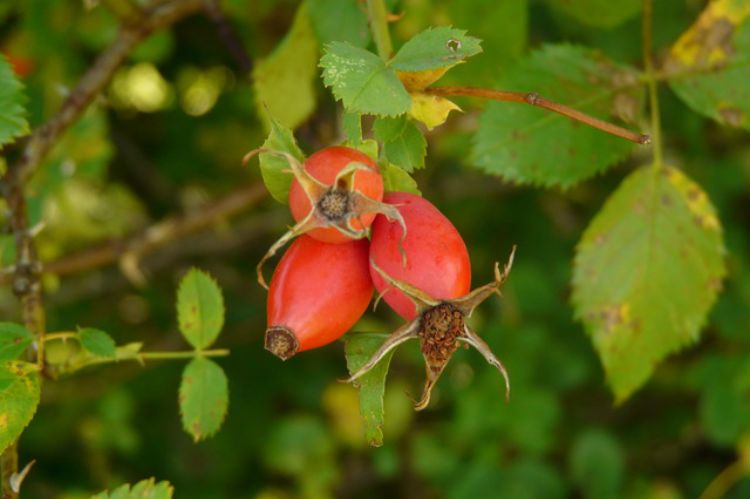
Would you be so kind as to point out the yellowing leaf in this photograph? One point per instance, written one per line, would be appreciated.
(647, 271)
(432, 110)
(415, 81)
(709, 65)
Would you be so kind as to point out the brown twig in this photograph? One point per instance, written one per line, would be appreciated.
(94, 80)
(25, 279)
(537, 100)
(131, 249)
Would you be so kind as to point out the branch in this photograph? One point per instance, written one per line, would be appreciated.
(94, 80)
(229, 36)
(534, 99)
(25, 280)
(131, 249)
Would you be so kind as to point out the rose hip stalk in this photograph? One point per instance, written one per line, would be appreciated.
(431, 291)
(318, 292)
(334, 197)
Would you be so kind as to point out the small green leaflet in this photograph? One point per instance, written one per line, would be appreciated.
(200, 308)
(14, 339)
(397, 180)
(710, 72)
(19, 397)
(528, 145)
(656, 232)
(433, 48)
(145, 489)
(274, 168)
(359, 347)
(284, 82)
(403, 143)
(97, 342)
(362, 81)
(204, 398)
(13, 121)
(599, 13)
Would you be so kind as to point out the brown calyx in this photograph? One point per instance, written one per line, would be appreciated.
(281, 342)
(335, 204)
(440, 328)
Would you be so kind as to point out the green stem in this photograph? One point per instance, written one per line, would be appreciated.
(725, 480)
(651, 82)
(222, 352)
(378, 15)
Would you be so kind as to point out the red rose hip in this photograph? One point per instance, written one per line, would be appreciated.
(317, 293)
(437, 261)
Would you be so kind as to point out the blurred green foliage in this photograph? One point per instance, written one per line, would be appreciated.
(169, 133)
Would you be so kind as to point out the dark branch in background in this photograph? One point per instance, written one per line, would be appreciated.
(537, 100)
(229, 37)
(25, 279)
(129, 250)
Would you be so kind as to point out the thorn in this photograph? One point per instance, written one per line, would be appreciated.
(16, 479)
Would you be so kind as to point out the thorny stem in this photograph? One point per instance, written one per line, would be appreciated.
(378, 15)
(651, 81)
(537, 100)
(26, 282)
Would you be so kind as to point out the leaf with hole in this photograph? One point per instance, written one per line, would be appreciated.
(204, 398)
(437, 47)
(200, 308)
(528, 145)
(647, 271)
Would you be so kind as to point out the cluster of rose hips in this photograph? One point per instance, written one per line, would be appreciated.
(414, 257)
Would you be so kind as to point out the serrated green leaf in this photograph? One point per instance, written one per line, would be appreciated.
(13, 121)
(599, 13)
(14, 340)
(339, 20)
(359, 347)
(437, 47)
(403, 143)
(284, 82)
(657, 232)
(145, 489)
(204, 398)
(200, 308)
(19, 397)
(709, 66)
(528, 145)
(274, 168)
(396, 179)
(362, 81)
(97, 342)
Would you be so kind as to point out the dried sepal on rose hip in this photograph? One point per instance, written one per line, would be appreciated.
(334, 197)
(318, 292)
(440, 326)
